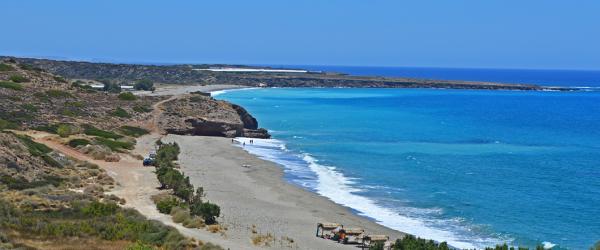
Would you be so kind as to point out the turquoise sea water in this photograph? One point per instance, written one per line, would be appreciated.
(470, 167)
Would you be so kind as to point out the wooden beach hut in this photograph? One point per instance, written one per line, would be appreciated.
(328, 227)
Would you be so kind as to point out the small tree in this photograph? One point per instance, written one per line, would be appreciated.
(111, 87)
(144, 84)
(208, 211)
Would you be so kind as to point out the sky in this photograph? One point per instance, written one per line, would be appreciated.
(532, 34)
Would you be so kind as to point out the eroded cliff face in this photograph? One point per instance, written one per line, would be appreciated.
(202, 115)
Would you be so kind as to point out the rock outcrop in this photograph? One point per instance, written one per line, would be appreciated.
(202, 115)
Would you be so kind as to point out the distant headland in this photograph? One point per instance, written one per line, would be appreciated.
(209, 74)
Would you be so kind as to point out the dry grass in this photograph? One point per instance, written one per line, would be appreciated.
(263, 240)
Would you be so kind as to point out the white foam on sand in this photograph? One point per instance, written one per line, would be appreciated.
(340, 189)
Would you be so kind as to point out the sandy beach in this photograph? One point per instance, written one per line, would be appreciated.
(253, 194)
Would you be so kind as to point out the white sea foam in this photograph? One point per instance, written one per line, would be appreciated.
(328, 182)
(220, 92)
(548, 245)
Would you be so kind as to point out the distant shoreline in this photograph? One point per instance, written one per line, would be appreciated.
(251, 76)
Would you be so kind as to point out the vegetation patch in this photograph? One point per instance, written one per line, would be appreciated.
(59, 79)
(141, 109)
(35, 149)
(105, 221)
(114, 145)
(144, 85)
(133, 131)
(4, 124)
(18, 78)
(55, 93)
(65, 130)
(93, 131)
(119, 112)
(20, 183)
(29, 107)
(11, 85)
(127, 96)
(78, 142)
(6, 67)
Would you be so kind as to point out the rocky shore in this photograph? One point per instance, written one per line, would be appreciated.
(197, 114)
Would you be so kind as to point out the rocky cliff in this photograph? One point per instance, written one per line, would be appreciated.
(201, 115)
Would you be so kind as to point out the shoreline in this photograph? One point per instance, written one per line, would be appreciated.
(254, 195)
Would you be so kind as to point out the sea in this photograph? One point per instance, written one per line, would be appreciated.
(474, 168)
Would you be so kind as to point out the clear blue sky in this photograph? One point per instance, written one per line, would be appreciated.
(446, 33)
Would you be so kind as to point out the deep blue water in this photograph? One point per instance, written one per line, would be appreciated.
(571, 78)
(470, 167)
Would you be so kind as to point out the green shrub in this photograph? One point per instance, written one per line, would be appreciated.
(141, 109)
(35, 149)
(18, 78)
(59, 79)
(139, 246)
(20, 183)
(29, 107)
(4, 124)
(412, 242)
(111, 87)
(50, 128)
(133, 131)
(6, 67)
(76, 104)
(78, 142)
(11, 85)
(55, 93)
(65, 130)
(144, 85)
(166, 204)
(119, 112)
(114, 145)
(208, 211)
(93, 131)
(127, 96)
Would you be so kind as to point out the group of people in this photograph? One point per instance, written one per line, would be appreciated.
(244, 142)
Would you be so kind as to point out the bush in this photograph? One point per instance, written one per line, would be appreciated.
(29, 107)
(119, 112)
(144, 85)
(93, 131)
(65, 130)
(78, 142)
(18, 78)
(179, 214)
(6, 67)
(114, 145)
(4, 124)
(20, 183)
(208, 211)
(133, 131)
(166, 204)
(111, 87)
(11, 85)
(35, 149)
(127, 96)
(141, 109)
(412, 242)
(139, 246)
(59, 79)
(55, 93)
